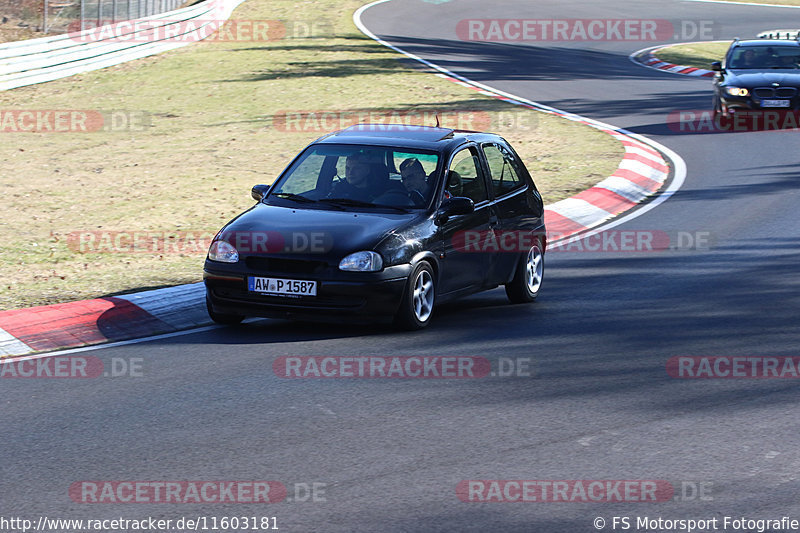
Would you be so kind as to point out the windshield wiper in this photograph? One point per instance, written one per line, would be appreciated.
(349, 202)
(293, 196)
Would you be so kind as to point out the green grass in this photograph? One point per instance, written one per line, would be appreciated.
(699, 55)
(210, 134)
(11, 31)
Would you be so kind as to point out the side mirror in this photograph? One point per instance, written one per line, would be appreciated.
(457, 205)
(716, 66)
(259, 192)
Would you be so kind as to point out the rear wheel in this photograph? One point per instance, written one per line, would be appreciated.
(416, 308)
(222, 318)
(528, 277)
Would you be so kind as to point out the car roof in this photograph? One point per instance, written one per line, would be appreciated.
(421, 137)
(766, 42)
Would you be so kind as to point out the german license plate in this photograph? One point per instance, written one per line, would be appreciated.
(282, 287)
(775, 103)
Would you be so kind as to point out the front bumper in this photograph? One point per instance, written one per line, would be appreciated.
(341, 296)
(754, 103)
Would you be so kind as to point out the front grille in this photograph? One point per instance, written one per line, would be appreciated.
(780, 92)
(285, 266)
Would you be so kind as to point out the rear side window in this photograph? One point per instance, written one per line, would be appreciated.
(504, 176)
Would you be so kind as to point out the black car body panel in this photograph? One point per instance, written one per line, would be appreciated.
(768, 80)
(304, 236)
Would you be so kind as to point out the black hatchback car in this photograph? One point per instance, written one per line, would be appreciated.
(756, 75)
(381, 222)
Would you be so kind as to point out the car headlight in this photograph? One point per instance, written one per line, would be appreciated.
(362, 262)
(223, 252)
(737, 91)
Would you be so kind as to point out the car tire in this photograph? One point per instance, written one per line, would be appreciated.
(527, 281)
(416, 307)
(223, 318)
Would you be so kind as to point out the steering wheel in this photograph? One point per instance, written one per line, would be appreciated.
(396, 198)
(416, 198)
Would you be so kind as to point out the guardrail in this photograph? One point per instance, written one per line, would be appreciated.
(50, 58)
(780, 34)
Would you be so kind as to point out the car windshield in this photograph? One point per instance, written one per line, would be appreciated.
(358, 177)
(765, 57)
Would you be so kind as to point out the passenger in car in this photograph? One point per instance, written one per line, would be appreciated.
(415, 180)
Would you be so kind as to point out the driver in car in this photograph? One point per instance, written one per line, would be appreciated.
(356, 182)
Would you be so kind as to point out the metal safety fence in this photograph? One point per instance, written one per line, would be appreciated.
(61, 16)
(48, 58)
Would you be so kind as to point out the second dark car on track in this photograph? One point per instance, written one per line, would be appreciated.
(382, 222)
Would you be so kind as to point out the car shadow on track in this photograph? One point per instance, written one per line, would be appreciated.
(488, 61)
(449, 318)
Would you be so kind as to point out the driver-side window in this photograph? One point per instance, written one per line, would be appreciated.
(465, 176)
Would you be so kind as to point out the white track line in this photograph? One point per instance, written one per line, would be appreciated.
(649, 50)
(10, 345)
(678, 164)
(59, 353)
(742, 3)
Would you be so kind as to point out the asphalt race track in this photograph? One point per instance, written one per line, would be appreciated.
(388, 454)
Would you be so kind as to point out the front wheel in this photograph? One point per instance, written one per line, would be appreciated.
(222, 318)
(416, 308)
(528, 277)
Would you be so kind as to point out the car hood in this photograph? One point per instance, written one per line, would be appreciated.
(786, 78)
(317, 233)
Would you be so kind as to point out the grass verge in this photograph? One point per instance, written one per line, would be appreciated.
(16, 30)
(195, 128)
(698, 55)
